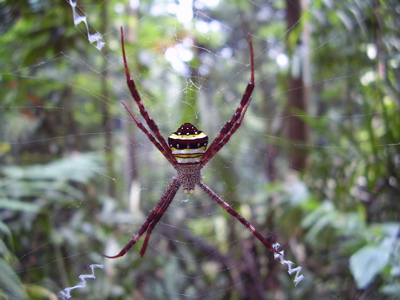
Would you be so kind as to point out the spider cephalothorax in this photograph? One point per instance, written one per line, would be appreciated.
(187, 152)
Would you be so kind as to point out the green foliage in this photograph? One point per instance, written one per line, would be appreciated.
(22, 194)
(63, 182)
(10, 286)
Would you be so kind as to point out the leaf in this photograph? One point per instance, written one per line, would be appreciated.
(16, 205)
(366, 263)
(10, 286)
(39, 292)
(5, 229)
(391, 289)
(78, 168)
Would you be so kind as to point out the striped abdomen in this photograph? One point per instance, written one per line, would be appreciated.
(188, 144)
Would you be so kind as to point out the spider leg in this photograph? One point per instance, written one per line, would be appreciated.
(226, 138)
(234, 213)
(151, 137)
(153, 218)
(150, 122)
(234, 123)
(155, 221)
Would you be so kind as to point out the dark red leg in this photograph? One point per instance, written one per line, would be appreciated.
(234, 123)
(234, 213)
(225, 139)
(157, 218)
(155, 213)
(150, 136)
(152, 125)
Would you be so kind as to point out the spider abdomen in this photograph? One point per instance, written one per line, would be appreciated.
(188, 144)
(188, 176)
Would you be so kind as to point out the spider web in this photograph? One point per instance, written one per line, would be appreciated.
(93, 177)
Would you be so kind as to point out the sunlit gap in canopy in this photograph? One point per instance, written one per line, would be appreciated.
(181, 53)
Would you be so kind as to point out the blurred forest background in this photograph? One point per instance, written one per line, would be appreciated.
(315, 165)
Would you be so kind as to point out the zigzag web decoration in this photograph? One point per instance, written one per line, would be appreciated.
(65, 293)
(299, 277)
(95, 39)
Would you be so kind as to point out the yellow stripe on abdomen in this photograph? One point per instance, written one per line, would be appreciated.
(188, 144)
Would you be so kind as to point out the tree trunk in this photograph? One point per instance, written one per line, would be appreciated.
(298, 90)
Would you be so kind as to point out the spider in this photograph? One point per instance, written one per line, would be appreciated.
(187, 152)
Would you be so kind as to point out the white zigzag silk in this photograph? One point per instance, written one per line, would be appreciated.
(95, 39)
(65, 293)
(299, 277)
